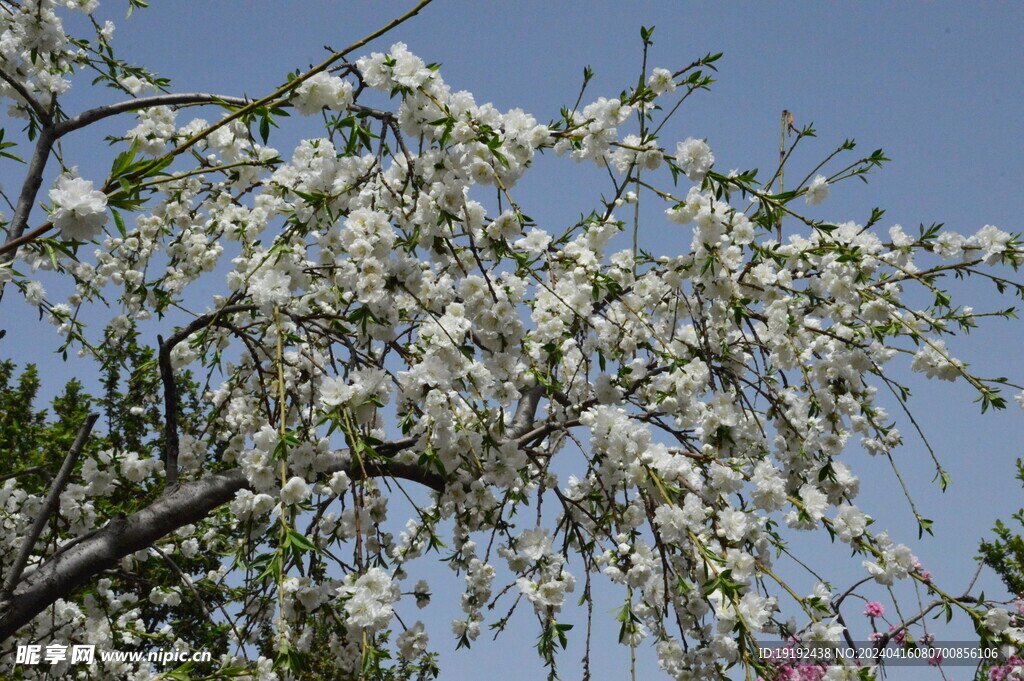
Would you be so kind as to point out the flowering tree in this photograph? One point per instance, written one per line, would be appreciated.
(379, 332)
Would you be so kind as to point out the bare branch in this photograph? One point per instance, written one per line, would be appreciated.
(92, 115)
(205, 320)
(836, 602)
(49, 506)
(526, 411)
(187, 581)
(15, 244)
(379, 114)
(170, 414)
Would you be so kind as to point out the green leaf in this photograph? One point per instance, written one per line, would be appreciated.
(295, 538)
(265, 129)
(123, 160)
(924, 525)
(119, 222)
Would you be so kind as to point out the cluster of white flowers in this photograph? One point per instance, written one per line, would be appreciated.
(35, 50)
(295, 491)
(320, 91)
(547, 593)
(398, 68)
(598, 129)
(156, 126)
(368, 599)
(895, 562)
(934, 361)
(992, 240)
(636, 153)
(661, 81)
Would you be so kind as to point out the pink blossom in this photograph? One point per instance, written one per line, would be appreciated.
(900, 636)
(874, 609)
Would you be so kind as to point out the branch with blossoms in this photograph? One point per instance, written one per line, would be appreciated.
(67, 570)
(566, 403)
(51, 130)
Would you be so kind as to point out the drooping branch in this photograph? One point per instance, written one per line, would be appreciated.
(49, 506)
(189, 503)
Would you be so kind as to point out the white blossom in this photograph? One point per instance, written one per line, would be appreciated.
(295, 491)
(817, 190)
(695, 158)
(80, 211)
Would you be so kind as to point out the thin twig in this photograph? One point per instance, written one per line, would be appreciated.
(294, 83)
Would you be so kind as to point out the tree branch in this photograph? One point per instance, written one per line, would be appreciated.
(14, 244)
(171, 390)
(16, 236)
(170, 414)
(205, 320)
(379, 114)
(526, 411)
(27, 471)
(292, 84)
(27, 198)
(44, 116)
(49, 506)
(51, 134)
(92, 115)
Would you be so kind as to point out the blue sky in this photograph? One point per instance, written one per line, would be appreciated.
(936, 85)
